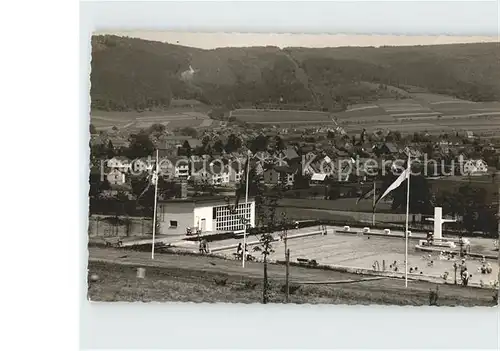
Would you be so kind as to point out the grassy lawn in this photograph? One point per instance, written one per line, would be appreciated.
(119, 283)
(297, 213)
(345, 204)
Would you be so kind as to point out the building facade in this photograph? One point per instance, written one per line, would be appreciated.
(206, 215)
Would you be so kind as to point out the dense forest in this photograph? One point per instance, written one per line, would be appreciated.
(136, 74)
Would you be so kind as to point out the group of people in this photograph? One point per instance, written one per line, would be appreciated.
(204, 246)
(485, 267)
(464, 274)
(415, 270)
(239, 252)
(447, 256)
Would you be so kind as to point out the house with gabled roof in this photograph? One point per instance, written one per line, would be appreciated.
(284, 175)
(257, 166)
(385, 149)
(318, 165)
(120, 163)
(116, 177)
(213, 173)
(236, 171)
(290, 154)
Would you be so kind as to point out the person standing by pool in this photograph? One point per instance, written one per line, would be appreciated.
(239, 251)
(465, 278)
(463, 267)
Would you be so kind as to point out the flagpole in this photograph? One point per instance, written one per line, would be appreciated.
(373, 214)
(406, 226)
(246, 204)
(155, 179)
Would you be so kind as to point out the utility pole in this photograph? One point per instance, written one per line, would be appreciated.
(246, 204)
(373, 211)
(155, 180)
(264, 288)
(455, 267)
(461, 245)
(285, 237)
(287, 255)
(287, 275)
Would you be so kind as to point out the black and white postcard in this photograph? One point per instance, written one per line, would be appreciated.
(301, 169)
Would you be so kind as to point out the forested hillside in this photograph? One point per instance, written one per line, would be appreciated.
(135, 74)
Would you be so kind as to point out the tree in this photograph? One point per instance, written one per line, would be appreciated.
(420, 195)
(471, 204)
(143, 191)
(167, 189)
(110, 150)
(98, 151)
(233, 143)
(218, 146)
(254, 185)
(417, 137)
(189, 131)
(260, 143)
(205, 140)
(301, 181)
(140, 146)
(186, 149)
(428, 150)
(157, 129)
(268, 219)
(97, 185)
(280, 144)
(397, 135)
(333, 193)
(120, 200)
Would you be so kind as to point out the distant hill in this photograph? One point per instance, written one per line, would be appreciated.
(135, 74)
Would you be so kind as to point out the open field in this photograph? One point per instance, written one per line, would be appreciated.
(431, 112)
(339, 216)
(345, 204)
(182, 113)
(422, 111)
(482, 127)
(192, 278)
(280, 116)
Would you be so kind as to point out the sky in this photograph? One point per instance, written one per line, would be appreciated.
(216, 40)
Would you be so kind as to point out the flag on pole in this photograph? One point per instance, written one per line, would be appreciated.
(154, 175)
(366, 194)
(241, 186)
(402, 177)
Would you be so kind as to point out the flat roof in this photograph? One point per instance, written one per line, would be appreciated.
(318, 176)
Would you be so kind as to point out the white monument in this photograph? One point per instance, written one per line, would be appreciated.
(437, 237)
(438, 223)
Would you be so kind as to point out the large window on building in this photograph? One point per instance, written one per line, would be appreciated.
(227, 221)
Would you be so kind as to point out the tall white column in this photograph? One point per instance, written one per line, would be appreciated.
(438, 223)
